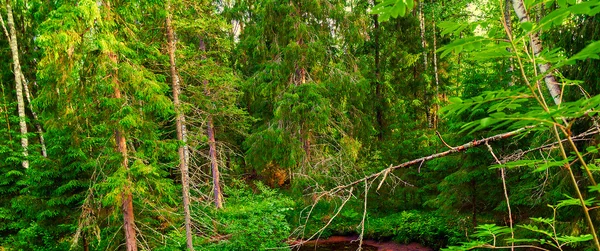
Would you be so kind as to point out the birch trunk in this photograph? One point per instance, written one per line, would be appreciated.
(423, 41)
(554, 87)
(127, 197)
(14, 48)
(183, 150)
(212, 144)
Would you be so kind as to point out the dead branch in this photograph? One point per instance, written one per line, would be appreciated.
(461, 148)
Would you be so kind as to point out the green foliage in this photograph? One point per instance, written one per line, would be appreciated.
(392, 8)
(252, 220)
(429, 229)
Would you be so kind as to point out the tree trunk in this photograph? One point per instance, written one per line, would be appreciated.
(212, 151)
(435, 73)
(378, 91)
(38, 126)
(14, 48)
(423, 41)
(554, 87)
(127, 197)
(428, 116)
(183, 150)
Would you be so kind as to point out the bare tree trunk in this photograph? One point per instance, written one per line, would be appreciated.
(27, 94)
(423, 41)
(428, 115)
(14, 48)
(127, 197)
(435, 73)
(212, 151)
(183, 150)
(554, 87)
(38, 126)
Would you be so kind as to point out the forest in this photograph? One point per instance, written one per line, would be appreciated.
(270, 124)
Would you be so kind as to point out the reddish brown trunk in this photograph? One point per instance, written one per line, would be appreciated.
(181, 134)
(213, 163)
(85, 244)
(212, 151)
(127, 197)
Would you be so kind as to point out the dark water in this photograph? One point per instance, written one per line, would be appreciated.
(340, 246)
(350, 243)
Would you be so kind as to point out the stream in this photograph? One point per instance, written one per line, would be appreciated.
(350, 243)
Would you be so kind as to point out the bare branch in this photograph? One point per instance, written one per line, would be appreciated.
(460, 148)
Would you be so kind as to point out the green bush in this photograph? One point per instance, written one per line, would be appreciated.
(252, 220)
(425, 228)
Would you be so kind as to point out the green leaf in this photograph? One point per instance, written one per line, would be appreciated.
(527, 26)
(591, 51)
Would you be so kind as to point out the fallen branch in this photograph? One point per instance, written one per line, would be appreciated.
(460, 148)
(387, 171)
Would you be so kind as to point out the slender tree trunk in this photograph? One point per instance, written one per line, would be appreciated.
(428, 115)
(554, 87)
(14, 48)
(127, 197)
(27, 95)
(423, 41)
(378, 91)
(38, 126)
(183, 150)
(212, 151)
(436, 75)
(86, 246)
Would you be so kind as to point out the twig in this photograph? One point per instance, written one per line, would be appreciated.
(384, 176)
(318, 233)
(510, 219)
(362, 223)
(442, 139)
(575, 138)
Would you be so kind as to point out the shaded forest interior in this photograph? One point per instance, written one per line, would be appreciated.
(262, 124)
